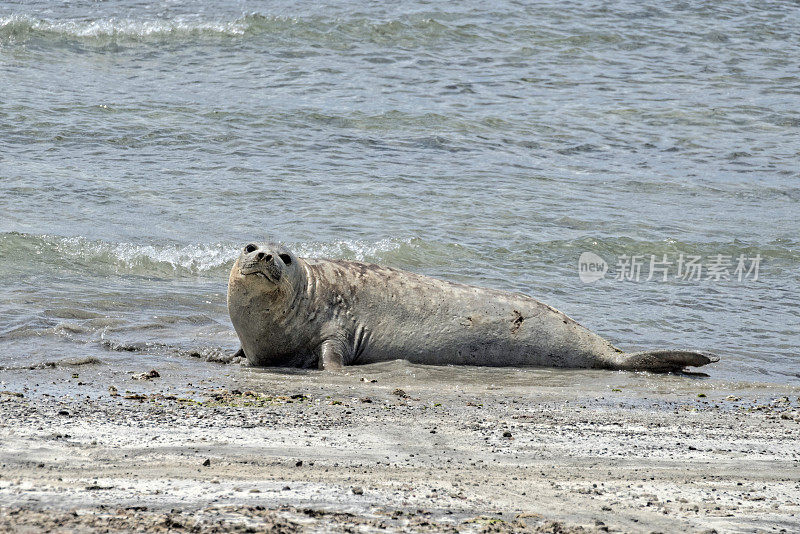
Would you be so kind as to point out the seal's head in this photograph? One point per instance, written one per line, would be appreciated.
(267, 266)
(263, 291)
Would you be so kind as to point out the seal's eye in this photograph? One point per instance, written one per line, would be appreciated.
(285, 258)
(250, 248)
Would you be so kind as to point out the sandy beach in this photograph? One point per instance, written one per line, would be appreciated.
(397, 448)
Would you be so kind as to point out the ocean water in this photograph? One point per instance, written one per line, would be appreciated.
(142, 144)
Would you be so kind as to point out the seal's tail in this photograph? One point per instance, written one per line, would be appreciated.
(663, 361)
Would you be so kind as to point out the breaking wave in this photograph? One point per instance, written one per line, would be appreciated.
(165, 260)
(24, 28)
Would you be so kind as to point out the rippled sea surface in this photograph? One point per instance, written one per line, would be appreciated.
(143, 143)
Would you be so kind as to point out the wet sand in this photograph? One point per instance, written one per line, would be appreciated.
(395, 447)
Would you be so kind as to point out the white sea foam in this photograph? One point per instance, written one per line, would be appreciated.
(194, 258)
(197, 258)
(350, 249)
(18, 25)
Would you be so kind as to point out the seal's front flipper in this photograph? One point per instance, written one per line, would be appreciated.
(663, 361)
(239, 353)
(331, 355)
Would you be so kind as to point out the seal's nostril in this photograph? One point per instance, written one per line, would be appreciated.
(250, 248)
(260, 256)
(269, 257)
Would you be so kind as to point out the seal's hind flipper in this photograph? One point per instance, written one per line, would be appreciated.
(663, 361)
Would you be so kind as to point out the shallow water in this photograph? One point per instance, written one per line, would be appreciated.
(141, 145)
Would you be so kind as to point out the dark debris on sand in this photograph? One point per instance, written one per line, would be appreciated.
(247, 519)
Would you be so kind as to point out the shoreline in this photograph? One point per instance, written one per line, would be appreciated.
(411, 448)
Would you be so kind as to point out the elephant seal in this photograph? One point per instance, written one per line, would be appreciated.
(296, 312)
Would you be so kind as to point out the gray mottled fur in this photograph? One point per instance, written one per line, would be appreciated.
(289, 311)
